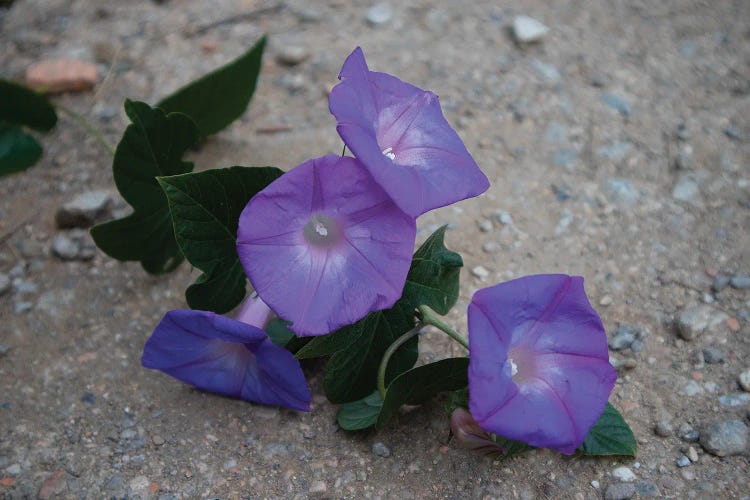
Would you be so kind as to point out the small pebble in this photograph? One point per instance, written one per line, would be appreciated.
(480, 272)
(292, 55)
(490, 247)
(683, 461)
(624, 474)
(83, 210)
(61, 75)
(663, 429)
(485, 225)
(318, 488)
(606, 301)
(744, 380)
(619, 103)
(697, 319)
(720, 282)
(735, 399)
(692, 454)
(4, 283)
(619, 491)
(727, 437)
(740, 281)
(528, 30)
(380, 449)
(379, 14)
(712, 355)
(595, 484)
(158, 440)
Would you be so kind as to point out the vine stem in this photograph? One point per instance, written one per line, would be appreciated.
(387, 356)
(87, 126)
(430, 317)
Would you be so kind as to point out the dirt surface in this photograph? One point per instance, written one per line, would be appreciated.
(617, 149)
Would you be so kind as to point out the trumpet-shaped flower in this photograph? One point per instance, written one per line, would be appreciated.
(399, 133)
(539, 369)
(323, 245)
(232, 357)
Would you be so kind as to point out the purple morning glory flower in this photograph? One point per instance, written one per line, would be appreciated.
(539, 369)
(399, 133)
(233, 357)
(323, 245)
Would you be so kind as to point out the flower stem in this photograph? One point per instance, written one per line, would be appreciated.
(89, 127)
(429, 317)
(387, 356)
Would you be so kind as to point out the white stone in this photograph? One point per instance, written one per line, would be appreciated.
(744, 380)
(480, 272)
(527, 29)
(380, 13)
(624, 474)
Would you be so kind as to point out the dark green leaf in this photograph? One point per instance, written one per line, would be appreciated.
(220, 97)
(22, 106)
(279, 332)
(152, 146)
(511, 448)
(610, 435)
(416, 386)
(205, 208)
(356, 350)
(360, 414)
(18, 150)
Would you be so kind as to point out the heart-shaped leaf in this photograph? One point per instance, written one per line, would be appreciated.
(416, 386)
(205, 209)
(18, 150)
(220, 97)
(360, 414)
(610, 435)
(22, 106)
(356, 350)
(152, 146)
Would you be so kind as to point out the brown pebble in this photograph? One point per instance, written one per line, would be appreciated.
(61, 75)
(733, 324)
(209, 46)
(52, 486)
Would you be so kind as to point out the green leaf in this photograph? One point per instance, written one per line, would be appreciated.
(18, 150)
(152, 146)
(416, 386)
(511, 448)
(360, 414)
(22, 106)
(279, 332)
(205, 208)
(356, 350)
(220, 97)
(610, 435)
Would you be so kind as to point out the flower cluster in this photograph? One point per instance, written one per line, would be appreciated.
(331, 241)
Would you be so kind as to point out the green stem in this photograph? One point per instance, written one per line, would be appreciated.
(429, 317)
(387, 356)
(87, 126)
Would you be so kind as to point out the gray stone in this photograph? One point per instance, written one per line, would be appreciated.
(379, 14)
(684, 160)
(617, 102)
(727, 437)
(25, 287)
(13, 470)
(740, 281)
(527, 29)
(480, 272)
(83, 210)
(692, 454)
(735, 399)
(624, 337)
(683, 461)
(744, 380)
(622, 192)
(682, 132)
(566, 157)
(646, 489)
(620, 491)
(73, 245)
(624, 474)
(712, 355)
(22, 307)
(697, 319)
(4, 283)
(720, 282)
(692, 388)
(4, 349)
(733, 132)
(615, 151)
(292, 55)
(546, 71)
(485, 225)
(686, 189)
(380, 449)
(663, 429)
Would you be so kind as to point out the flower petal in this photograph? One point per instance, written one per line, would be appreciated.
(564, 378)
(313, 279)
(399, 133)
(222, 355)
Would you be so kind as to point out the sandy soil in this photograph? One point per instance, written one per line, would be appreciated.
(649, 202)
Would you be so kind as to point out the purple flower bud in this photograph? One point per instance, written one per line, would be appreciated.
(469, 435)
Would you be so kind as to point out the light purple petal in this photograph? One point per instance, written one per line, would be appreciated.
(327, 262)
(225, 356)
(539, 369)
(399, 133)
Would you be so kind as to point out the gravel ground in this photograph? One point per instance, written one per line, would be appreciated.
(617, 147)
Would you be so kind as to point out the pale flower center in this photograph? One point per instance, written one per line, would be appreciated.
(322, 231)
(513, 367)
(388, 152)
(523, 364)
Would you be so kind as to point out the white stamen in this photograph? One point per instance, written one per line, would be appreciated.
(321, 229)
(388, 152)
(513, 368)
